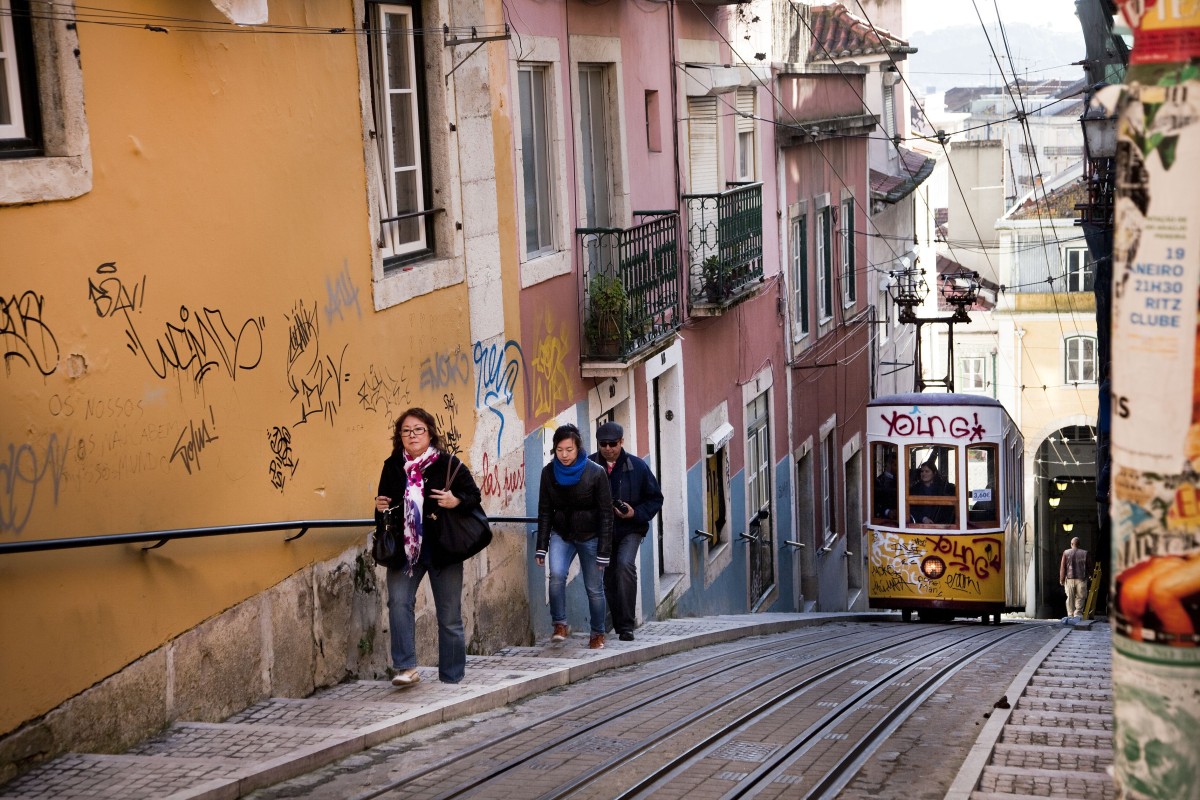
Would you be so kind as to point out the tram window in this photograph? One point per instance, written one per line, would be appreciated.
(884, 484)
(932, 495)
(983, 493)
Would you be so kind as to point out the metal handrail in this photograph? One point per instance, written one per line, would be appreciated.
(162, 537)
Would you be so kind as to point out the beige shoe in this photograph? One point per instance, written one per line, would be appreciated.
(406, 677)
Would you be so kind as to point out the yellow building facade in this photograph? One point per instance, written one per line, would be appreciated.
(203, 326)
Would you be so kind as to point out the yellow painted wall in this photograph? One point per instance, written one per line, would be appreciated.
(208, 298)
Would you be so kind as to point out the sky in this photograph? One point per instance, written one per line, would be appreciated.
(930, 15)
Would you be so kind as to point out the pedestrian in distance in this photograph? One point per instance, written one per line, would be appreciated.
(1073, 576)
(413, 487)
(574, 519)
(636, 499)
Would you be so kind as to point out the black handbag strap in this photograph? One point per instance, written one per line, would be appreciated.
(450, 475)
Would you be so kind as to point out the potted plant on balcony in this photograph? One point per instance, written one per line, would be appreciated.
(713, 279)
(607, 315)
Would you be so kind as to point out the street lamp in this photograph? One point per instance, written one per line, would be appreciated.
(1068, 526)
(1099, 131)
(1054, 501)
(909, 290)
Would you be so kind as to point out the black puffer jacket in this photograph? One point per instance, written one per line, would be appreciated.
(393, 482)
(576, 513)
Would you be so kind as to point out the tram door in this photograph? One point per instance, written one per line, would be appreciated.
(758, 499)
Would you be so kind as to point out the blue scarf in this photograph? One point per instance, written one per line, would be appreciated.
(569, 476)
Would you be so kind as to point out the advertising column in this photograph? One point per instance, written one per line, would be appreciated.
(1156, 409)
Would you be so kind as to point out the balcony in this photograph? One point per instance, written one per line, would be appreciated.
(724, 248)
(631, 291)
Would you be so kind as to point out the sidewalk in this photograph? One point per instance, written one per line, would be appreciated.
(1056, 739)
(282, 738)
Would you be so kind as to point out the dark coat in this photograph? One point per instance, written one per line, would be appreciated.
(939, 515)
(394, 480)
(632, 482)
(577, 513)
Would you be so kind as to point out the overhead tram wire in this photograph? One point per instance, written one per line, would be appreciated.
(1028, 136)
(921, 108)
(837, 341)
(940, 140)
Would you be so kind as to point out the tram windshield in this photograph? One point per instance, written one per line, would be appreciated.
(932, 496)
(982, 487)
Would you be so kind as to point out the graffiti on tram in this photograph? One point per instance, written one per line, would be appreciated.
(937, 567)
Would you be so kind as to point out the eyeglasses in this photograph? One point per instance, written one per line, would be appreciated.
(410, 432)
(608, 443)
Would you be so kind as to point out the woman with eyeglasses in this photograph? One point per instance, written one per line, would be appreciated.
(575, 518)
(413, 491)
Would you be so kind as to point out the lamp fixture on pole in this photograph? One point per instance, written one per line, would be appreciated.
(909, 290)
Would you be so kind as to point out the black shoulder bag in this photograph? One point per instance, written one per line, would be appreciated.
(465, 531)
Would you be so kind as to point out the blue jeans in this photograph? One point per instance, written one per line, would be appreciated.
(562, 553)
(620, 583)
(447, 600)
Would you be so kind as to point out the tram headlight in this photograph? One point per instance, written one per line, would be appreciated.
(933, 568)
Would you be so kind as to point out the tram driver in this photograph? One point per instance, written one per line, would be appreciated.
(931, 483)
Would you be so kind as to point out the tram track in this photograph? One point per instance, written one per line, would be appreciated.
(572, 737)
(621, 702)
(794, 769)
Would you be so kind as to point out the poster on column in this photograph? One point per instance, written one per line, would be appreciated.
(1156, 441)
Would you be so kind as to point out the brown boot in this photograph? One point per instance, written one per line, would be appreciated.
(596, 642)
(561, 632)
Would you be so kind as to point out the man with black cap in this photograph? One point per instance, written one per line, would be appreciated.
(636, 499)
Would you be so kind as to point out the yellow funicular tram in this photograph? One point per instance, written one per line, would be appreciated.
(946, 531)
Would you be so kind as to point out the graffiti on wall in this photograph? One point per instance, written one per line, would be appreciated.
(25, 335)
(380, 392)
(340, 294)
(283, 464)
(447, 423)
(26, 469)
(192, 441)
(444, 370)
(497, 369)
(551, 383)
(314, 379)
(501, 481)
(199, 343)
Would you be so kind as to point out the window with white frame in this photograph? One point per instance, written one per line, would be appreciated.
(1080, 274)
(889, 108)
(849, 287)
(971, 376)
(405, 224)
(824, 263)
(747, 146)
(800, 287)
(828, 489)
(44, 150)
(533, 87)
(1081, 359)
(20, 132)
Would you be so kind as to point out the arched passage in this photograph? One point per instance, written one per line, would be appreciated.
(1064, 493)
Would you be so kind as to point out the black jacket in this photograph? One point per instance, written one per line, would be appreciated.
(577, 513)
(394, 481)
(632, 482)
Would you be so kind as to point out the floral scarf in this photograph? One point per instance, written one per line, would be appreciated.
(414, 502)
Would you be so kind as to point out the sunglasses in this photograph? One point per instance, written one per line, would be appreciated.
(608, 443)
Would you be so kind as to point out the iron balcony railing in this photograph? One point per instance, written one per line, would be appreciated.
(725, 242)
(631, 286)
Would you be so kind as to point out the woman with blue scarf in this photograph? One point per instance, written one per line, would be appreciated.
(574, 518)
